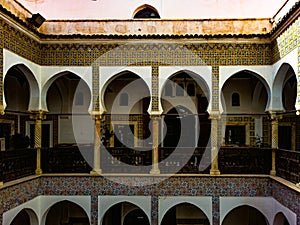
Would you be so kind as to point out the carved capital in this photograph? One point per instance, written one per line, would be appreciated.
(38, 115)
(155, 117)
(2, 112)
(214, 115)
(97, 115)
(274, 116)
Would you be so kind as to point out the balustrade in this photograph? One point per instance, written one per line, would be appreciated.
(17, 163)
(69, 159)
(288, 165)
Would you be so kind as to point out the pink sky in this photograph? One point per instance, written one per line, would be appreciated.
(168, 9)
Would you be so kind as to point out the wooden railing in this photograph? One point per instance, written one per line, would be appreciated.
(17, 164)
(288, 165)
(185, 160)
(126, 160)
(66, 159)
(69, 159)
(245, 160)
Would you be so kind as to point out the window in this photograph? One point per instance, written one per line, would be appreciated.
(191, 90)
(235, 99)
(168, 89)
(124, 99)
(146, 12)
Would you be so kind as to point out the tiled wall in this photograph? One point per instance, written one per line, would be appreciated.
(174, 186)
(215, 187)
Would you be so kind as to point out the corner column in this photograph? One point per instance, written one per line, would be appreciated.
(97, 145)
(1, 172)
(38, 116)
(274, 143)
(214, 117)
(155, 142)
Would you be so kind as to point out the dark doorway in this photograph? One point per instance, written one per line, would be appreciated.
(125, 213)
(248, 214)
(5, 130)
(180, 128)
(136, 217)
(185, 213)
(21, 219)
(235, 135)
(285, 137)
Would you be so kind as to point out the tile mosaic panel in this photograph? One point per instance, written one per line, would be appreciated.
(286, 42)
(162, 54)
(131, 186)
(287, 197)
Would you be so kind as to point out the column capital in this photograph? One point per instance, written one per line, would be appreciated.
(96, 115)
(155, 117)
(2, 112)
(214, 115)
(274, 115)
(38, 114)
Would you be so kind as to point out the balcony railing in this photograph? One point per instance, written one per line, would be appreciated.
(66, 159)
(244, 160)
(288, 165)
(17, 164)
(70, 159)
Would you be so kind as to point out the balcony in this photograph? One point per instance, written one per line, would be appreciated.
(70, 159)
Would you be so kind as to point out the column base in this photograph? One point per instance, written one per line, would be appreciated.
(154, 171)
(96, 172)
(214, 172)
(273, 172)
(38, 171)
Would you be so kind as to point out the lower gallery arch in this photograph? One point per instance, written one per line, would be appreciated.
(66, 212)
(248, 214)
(280, 219)
(25, 217)
(185, 213)
(184, 210)
(125, 213)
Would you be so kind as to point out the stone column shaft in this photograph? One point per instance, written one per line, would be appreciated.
(39, 116)
(97, 145)
(214, 145)
(274, 143)
(155, 143)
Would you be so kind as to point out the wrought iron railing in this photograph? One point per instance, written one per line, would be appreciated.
(288, 165)
(245, 160)
(66, 159)
(17, 164)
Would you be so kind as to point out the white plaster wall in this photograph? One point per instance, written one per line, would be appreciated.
(292, 60)
(44, 75)
(50, 73)
(166, 203)
(108, 73)
(11, 59)
(268, 206)
(264, 72)
(41, 205)
(33, 204)
(106, 202)
(46, 202)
